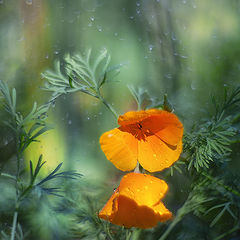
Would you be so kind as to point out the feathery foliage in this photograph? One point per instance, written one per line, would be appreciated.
(213, 191)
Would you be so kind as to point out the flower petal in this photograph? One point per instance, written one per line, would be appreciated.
(155, 155)
(120, 148)
(134, 205)
(144, 189)
(134, 116)
(130, 214)
(108, 210)
(166, 126)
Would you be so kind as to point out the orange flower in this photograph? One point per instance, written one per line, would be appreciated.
(151, 137)
(136, 202)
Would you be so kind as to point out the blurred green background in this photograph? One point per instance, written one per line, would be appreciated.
(188, 49)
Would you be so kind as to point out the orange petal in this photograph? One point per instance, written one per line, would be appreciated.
(136, 203)
(166, 126)
(155, 155)
(130, 214)
(135, 116)
(144, 189)
(120, 148)
(107, 211)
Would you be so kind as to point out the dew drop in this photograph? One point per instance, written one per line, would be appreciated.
(28, 2)
(110, 135)
(146, 187)
(99, 28)
(150, 48)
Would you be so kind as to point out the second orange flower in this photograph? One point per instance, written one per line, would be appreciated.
(151, 137)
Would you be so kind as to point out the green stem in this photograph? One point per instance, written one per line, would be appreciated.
(14, 225)
(227, 233)
(233, 191)
(128, 234)
(15, 216)
(109, 106)
(136, 169)
(135, 234)
(171, 226)
(8, 176)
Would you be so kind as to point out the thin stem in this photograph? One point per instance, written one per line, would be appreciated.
(128, 234)
(135, 234)
(14, 224)
(136, 169)
(109, 106)
(227, 233)
(171, 226)
(8, 176)
(15, 216)
(233, 191)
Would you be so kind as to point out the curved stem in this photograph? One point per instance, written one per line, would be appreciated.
(170, 227)
(227, 233)
(108, 105)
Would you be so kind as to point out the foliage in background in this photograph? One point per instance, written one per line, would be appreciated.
(212, 193)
